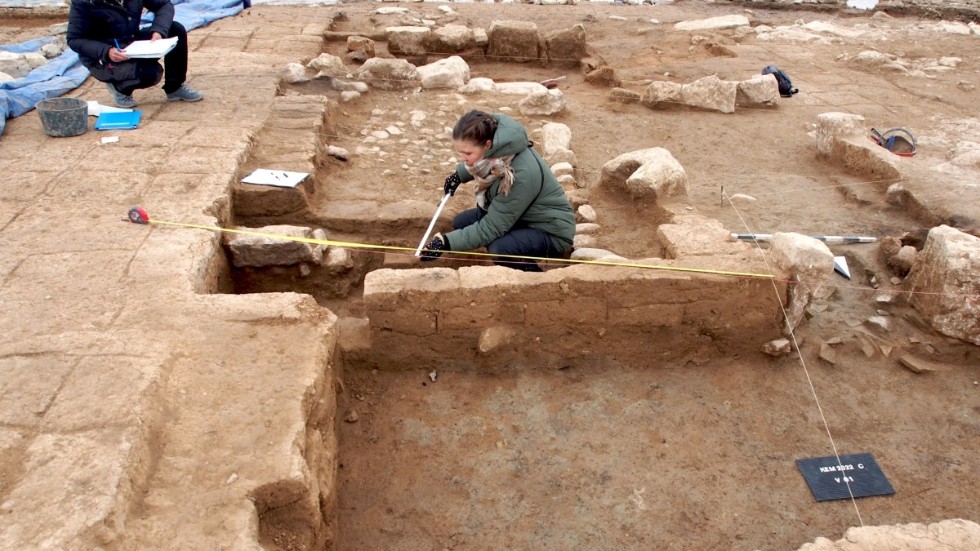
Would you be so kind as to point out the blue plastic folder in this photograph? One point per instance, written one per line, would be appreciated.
(118, 121)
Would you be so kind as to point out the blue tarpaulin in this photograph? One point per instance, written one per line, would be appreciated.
(65, 72)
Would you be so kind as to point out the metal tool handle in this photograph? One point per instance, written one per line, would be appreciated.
(425, 238)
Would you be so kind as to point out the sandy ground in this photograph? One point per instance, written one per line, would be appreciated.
(648, 454)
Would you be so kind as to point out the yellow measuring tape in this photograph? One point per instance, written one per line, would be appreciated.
(141, 218)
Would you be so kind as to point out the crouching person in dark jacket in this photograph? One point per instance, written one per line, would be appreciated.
(98, 30)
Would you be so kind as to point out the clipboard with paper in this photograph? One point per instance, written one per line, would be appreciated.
(150, 49)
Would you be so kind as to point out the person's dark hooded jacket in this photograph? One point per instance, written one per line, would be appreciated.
(94, 26)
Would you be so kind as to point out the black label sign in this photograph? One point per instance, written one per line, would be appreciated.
(829, 479)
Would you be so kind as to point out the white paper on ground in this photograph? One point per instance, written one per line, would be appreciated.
(280, 178)
(95, 109)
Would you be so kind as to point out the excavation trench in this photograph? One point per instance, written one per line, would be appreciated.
(476, 348)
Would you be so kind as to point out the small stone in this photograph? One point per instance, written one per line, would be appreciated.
(349, 96)
(918, 365)
(835, 340)
(351, 417)
(880, 322)
(380, 134)
(931, 349)
(896, 281)
(885, 298)
(232, 478)
(743, 197)
(337, 152)
(828, 354)
(818, 307)
(867, 347)
(585, 214)
(304, 270)
(433, 375)
(886, 349)
(777, 347)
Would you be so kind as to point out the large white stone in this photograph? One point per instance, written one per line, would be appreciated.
(720, 22)
(451, 72)
(14, 64)
(556, 143)
(389, 74)
(711, 92)
(453, 38)
(519, 88)
(947, 534)
(758, 90)
(808, 263)
(407, 40)
(294, 72)
(513, 41)
(328, 65)
(477, 85)
(652, 173)
(945, 281)
(546, 103)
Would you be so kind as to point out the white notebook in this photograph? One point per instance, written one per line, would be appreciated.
(149, 49)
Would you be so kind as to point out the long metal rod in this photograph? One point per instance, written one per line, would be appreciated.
(425, 238)
(824, 238)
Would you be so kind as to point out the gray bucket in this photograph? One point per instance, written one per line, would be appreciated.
(63, 117)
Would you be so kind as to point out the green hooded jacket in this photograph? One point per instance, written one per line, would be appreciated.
(536, 199)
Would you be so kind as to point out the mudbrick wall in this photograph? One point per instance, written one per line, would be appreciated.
(495, 316)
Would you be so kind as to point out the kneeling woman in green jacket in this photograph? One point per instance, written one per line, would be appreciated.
(521, 210)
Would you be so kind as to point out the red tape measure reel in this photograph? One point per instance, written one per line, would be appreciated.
(138, 216)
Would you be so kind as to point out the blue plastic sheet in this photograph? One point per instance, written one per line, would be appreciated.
(65, 72)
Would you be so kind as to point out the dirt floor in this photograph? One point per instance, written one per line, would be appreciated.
(648, 455)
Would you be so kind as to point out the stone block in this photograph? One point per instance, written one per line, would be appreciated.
(711, 93)
(562, 168)
(645, 173)
(808, 262)
(585, 214)
(587, 229)
(338, 260)
(597, 254)
(327, 65)
(14, 64)
(547, 103)
(361, 44)
(408, 41)
(451, 72)
(581, 241)
(623, 95)
(567, 47)
(513, 41)
(293, 73)
(832, 127)
(697, 236)
(661, 92)
(477, 85)
(519, 88)
(603, 76)
(556, 139)
(758, 90)
(389, 74)
(452, 39)
(383, 287)
(945, 283)
(713, 23)
(259, 250)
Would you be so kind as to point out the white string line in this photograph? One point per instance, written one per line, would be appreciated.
(806, 371)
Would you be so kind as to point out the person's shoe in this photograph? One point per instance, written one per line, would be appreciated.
(185, 93)
(121, 99)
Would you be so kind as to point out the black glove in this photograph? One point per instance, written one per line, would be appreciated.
(434, 248)
(452, 182)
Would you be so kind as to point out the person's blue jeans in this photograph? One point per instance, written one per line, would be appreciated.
(519, 241)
